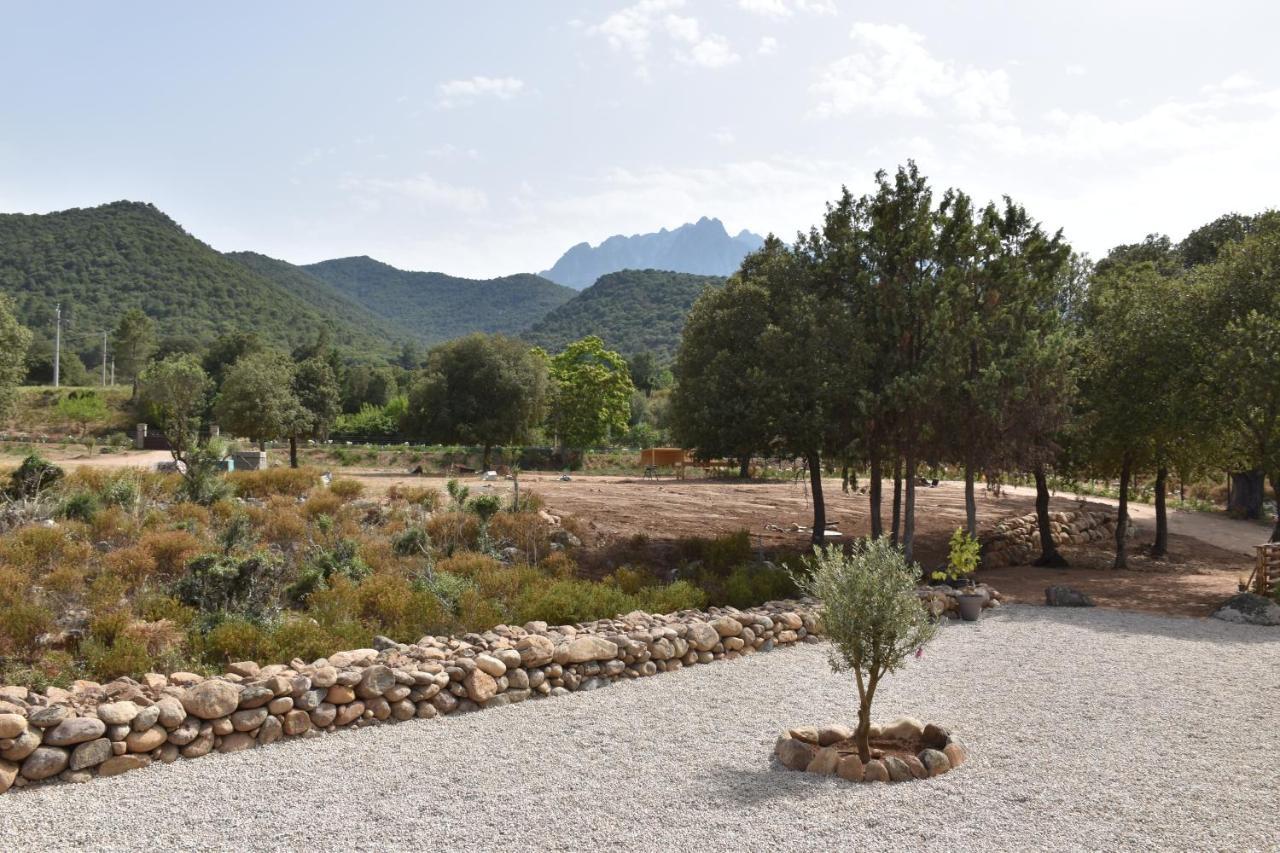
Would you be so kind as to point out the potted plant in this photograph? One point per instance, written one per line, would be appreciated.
(962, 561)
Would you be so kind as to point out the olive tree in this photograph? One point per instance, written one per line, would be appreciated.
(871, 614)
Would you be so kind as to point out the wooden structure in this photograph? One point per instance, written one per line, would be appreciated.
(1266, 575)
(653, 458)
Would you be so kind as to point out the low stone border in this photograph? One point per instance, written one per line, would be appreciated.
(104, 730)
(832, 751)
(1016, 541)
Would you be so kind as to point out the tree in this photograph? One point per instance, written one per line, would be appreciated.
(316, 389)
(718, 408)
(481, 390)
(227, 350)
(257, 399)
(644, 371)
(133, 342)
(590, 393)
(82, 407)
(175, 394)
(871, 615)
(363, 384)
(14, 340)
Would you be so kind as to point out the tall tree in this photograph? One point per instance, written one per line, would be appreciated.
(319, 399)
(484, 390)
(14, 340)
(134, 343)
(175, 393)
(257, 398)
(590, 393)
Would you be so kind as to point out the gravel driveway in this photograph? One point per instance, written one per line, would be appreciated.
(1089, 729)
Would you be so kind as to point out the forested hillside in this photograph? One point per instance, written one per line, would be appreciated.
(100, 262)
(632, 310)
(435, 307)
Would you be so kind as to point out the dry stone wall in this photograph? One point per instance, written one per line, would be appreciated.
(1016, 541)
(107, 729)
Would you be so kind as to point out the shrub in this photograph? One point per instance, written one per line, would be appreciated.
(279, 522)
(485, 506)
(21, 622)
(291, 482)
(468, 564)
(124, 656)
(301, 637)
(216, 582)
(113, 525)
(413, 542)
(321, 503)
(871, 614)
(170, 550)
(447, 588)
(81, 506)
(237, 639)
(38, 549)
(453, 531)
(33, 476)
(755, 583)
(323, 564)
(680, 595)
(133, 564)
(346, 489)
(457, 493)
(964, 554)
(562, 602)
(390, 606)
(427, 498)
(121, 491)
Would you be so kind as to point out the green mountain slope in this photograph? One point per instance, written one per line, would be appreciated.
(435, 307)
(632, 310)
(99, 262)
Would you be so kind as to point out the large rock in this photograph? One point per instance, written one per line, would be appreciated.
(12, 725)
(794, 754)
(1065, 596)
(375, 681)
(480, 685)
(8, 773)
(1248, 608)
(491, 665)
(702, 636)
(23, 745)
(122, 764)
(211, 699)
(727, 626)
(90, 753)
(145, 741)
(118, 713)
(584, 649)
(73, 731)
(46, 761)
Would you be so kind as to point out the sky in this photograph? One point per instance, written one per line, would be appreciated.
(485, 139)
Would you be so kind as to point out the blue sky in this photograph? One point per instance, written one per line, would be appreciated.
(484, 139)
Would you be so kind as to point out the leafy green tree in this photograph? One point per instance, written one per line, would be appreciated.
(481, 390)
(590, 393)
(318, 395)
(175, 393)
(83, 408)
(14, 340)
(367, 384)
(872, 616)
(134, 342)
(645, 372)
(227, 350)
(257, 398)
(719, 408)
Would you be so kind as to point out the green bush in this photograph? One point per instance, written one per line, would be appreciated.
(216, 583)
(82, 506)
(237, 639)
(322, 564)
(122, 656)
(680, 595)
(20, 624)
(563, 602)
(33, 476)
(121, 491)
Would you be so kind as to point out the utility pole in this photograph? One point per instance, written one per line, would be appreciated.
(57, 344)
(113, 371)
(104, 359)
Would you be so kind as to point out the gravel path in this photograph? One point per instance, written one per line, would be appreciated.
(1090, 729)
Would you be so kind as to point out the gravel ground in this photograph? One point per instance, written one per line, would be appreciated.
(1090, 729)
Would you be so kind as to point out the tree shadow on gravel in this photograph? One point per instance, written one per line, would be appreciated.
(1105, 620)
(755, 787)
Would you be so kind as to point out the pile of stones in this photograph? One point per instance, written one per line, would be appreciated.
(1016, 541)
(940, 599)
(107, 729)
(903, 750)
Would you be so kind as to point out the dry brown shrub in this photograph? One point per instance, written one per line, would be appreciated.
(321, 502)
(170, 549)
(453, 531)
(114, 525)
(38, 549)
(132, 564)
(279, 522)
(559, 564)
(293, 482)
(159, 637)
(524, 530)
(346, 488)
(423, 496)
(184, 512)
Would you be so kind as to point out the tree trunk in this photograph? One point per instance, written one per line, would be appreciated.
(1160, 548)
(877, 524)
(819, 507)
(293, 451)
(262, 445)
(1246, 494)
(1049, 555)
(909, 509)
(862, 735)
(1275, 490)
(1122, 517)
(744, 467)
(484, 462)
(896, 535)
(970, 502)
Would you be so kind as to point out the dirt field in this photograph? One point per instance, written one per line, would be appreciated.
(1209, 552)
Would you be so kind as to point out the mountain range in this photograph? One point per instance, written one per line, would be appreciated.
(703, 247)
(100, 262)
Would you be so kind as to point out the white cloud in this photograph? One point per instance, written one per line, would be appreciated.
(1076, 70)
(768, 46)
(635, 30)
(724, 136)
(785, 9)
(893, 73)
(421, 188)
(455, 92)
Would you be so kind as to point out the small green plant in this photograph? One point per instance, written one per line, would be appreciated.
(323, 564)
(82, 407)
(962, 559)
(458, 493)
(82, 506)
(871, 614)
(33, 476)
(485, 506)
